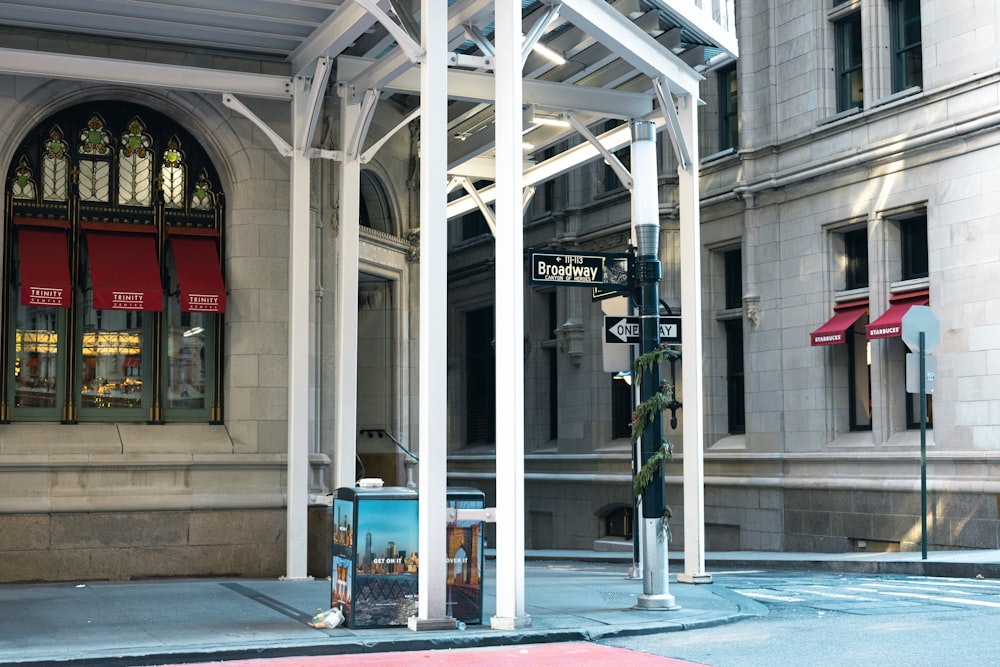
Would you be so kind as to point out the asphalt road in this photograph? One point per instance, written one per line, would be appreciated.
(830, 619)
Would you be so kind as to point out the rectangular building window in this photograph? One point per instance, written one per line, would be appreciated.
(850, 85)
(553, 363)
(859, 377)
(621, 406)
(734, 278)
(734, 376)
(480, 381)
(913, 234)
(907, 56)
(729, 135)
(856, 259)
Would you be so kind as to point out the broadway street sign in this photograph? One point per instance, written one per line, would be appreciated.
(608, 271)
(619, 329)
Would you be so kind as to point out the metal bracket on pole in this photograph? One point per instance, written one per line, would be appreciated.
(410, 47)
(529, 193)
(623, 174)
(472, 62)
(314, 103)
(487, 212)
(229, 100)
(487, 514)
(325, 153)
(374, 148)
(479, 39)
(537, 30)
(673, 122)
(365, 116)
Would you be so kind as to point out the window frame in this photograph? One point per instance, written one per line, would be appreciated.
(480, 377)
(849, 61)
(856, 275)
(729, 135)
(902, 14)
(193, 179)
(858, 355)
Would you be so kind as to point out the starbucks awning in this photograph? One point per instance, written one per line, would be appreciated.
(834, 331)
(890, 323)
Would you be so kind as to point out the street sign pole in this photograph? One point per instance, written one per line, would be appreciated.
(923, 449)
(646, 221)
(921, 331)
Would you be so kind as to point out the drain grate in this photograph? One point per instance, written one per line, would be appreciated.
(619, 598)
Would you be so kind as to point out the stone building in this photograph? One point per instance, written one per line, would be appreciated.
(847, 173)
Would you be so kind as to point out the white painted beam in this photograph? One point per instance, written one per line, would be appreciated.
(299, 350)
(509, 324)
(229, 100)
(616, 165)
(479, 87)
(146, 75)
(555, 166)
(314, 102)
(334, 35)
(630, 43)
(433, 335)
(692, 366)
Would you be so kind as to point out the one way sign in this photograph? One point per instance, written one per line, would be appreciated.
(627, 330)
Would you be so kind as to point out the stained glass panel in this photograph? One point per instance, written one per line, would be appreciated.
(22, 186)
(55, 167)
(172, 175)
(135, 166)
(202, 199)
(94, 180)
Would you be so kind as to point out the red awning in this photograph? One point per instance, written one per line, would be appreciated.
(833, 332)
(44, 266)
(199, 274)
(124, 271)
(890, 324)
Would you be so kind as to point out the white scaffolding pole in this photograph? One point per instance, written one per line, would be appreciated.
(691, 339)
(509, 323)
(299, 293)
(346, 330)
(433, 431)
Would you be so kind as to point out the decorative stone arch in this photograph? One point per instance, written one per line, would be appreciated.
(377, 207)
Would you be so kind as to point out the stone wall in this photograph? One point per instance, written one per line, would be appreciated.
(140, 545)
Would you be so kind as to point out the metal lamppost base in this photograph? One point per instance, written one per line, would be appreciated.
(658, 602)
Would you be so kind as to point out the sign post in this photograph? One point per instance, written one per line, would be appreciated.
(604, 271)
(921, 331)
(627, 329)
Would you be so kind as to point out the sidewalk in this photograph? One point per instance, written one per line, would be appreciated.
(569, 595)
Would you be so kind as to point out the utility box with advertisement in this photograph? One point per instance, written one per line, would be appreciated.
(465, 559)
(375, 560)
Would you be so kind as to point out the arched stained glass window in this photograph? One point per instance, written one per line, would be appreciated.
(110, 313)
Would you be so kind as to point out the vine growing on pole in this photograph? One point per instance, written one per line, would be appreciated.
(645, 411)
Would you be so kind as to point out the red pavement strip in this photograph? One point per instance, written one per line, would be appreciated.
(575, 654)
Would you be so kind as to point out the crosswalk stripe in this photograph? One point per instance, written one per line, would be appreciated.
(937, 598)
